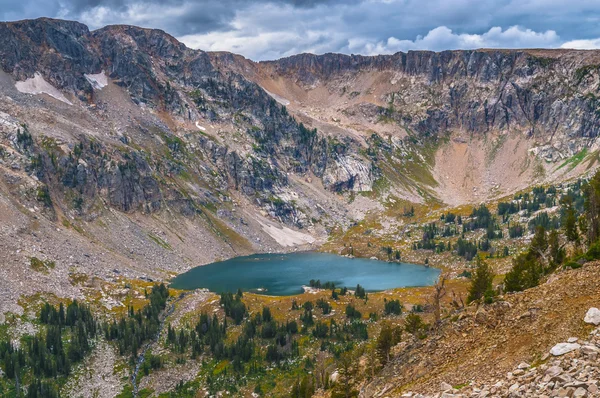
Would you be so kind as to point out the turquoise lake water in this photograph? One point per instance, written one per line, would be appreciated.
(284, 274)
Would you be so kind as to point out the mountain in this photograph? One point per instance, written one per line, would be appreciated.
(126, 156)
(492, 109)
(125, 127)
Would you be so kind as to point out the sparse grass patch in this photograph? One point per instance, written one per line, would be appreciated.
(43, 266)
(78, 279)
(574, 160)
(159, 241)
(127, 392)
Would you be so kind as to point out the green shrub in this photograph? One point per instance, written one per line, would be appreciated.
(352, 312)
(43, 195)
(393, 307)
(593, 252)
(572, 265)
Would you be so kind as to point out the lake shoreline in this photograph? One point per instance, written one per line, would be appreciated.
(287, 274)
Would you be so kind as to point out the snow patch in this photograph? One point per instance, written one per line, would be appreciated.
(37, 85)
(200, 127)
(278, 98)
(285, 236)
(98, 80)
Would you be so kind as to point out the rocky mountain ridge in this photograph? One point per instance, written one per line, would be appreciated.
(161, 73)
(534, 89)
(127, 126)
(524, 112)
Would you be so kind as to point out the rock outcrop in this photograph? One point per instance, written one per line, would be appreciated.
(473, 90)
(161, 74)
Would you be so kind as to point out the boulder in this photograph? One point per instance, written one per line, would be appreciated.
(592, 316)
(554, 371)
(523, 365)
(445, 386)
(334, 377)
(481, 316)
(590, 349)
(564, 348)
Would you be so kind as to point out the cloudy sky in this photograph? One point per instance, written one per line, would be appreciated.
(269, 29)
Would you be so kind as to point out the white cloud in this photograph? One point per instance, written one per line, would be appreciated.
(135, 14)
(443, 38)
(591, 44)
(291, 31)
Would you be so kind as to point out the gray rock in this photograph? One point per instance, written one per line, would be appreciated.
(590, 349)
(563, 348)
(554, 371)
(445, 386)
(592, 316)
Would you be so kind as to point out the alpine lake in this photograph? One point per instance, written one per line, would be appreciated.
(286, 274)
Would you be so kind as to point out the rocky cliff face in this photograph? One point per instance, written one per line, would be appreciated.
(541, 103)
(183, 87)
(350, 121)
(539, 91)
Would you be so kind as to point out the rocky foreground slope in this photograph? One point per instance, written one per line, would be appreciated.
(569, 369)
(540, 342)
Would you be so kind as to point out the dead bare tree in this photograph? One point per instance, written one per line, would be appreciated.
(457, 301)
(439, 292)
(321, 373)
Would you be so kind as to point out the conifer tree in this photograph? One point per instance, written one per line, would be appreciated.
(481, 283)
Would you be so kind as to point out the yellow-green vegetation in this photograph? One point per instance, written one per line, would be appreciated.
(574, 160)
(78, 278)
(593, 159)
(43, 266)
(496, 145)
(128, 392)
(318, 355)
(230, 236)
(159, 241)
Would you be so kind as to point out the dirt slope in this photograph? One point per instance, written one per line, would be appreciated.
(484, 344)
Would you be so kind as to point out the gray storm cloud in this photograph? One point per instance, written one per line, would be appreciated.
(261, 29)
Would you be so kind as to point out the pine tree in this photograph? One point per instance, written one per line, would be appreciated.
(539, 243)
(413, 324)
(524, 274)
(592, 208)
(481, 283)
(557, 252)
(385, 343)
(570, 220)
